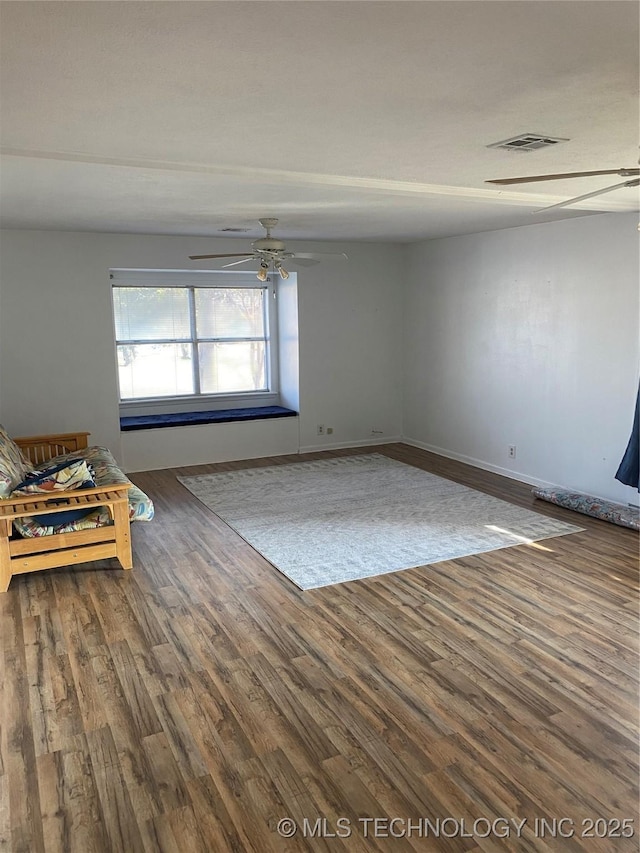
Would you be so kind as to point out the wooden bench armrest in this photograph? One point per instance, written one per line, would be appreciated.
(41, 448)
(19, 506)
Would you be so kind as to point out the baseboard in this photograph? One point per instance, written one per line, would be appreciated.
(479, 463)
(505, 472)
(339, 445)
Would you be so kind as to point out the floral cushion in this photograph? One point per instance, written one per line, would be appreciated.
(65, 477)
(105, 472)
(30, 527)
(625, 516)
(13, 465)
(72, 474)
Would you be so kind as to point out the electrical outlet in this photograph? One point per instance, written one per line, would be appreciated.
(512, 451)
(320, 429)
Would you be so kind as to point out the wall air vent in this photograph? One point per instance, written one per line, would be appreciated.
(527, 142)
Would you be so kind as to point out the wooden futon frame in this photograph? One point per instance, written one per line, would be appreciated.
(19, 555)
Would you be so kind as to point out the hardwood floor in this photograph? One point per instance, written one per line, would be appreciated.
(192, 704)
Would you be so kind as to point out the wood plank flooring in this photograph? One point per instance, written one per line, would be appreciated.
(188, 706)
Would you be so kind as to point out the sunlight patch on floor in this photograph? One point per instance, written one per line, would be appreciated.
(522, 539)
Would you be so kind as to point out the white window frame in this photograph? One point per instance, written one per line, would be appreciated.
(201, 279)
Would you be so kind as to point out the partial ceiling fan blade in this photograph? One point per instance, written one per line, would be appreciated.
(533, 178)
(323, 256)
(243, 261)
(206, 257)
(634, 183)
(302, 262)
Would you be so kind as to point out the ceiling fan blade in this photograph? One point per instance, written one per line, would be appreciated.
(533, 178)
(634, 183)
(303, 262)
(323, 256)
(243, 261)
(205, 257)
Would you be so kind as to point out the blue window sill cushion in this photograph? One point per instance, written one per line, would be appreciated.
(220, 416)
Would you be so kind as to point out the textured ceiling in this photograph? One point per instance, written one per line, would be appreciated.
(347, 120)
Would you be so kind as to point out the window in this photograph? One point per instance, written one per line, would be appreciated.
(193, 336)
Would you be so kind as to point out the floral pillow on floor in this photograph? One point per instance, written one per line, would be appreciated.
(625, 516)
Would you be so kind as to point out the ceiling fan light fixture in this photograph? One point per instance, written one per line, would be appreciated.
(283, 272)
(263, 271)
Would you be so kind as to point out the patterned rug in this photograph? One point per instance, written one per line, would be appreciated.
(337, 520)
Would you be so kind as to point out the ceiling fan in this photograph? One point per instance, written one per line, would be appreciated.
(623, 173)
(270, 253)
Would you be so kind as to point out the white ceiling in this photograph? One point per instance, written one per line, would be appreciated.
(346, 120)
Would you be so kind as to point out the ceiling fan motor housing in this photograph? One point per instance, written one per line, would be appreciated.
(267, 244)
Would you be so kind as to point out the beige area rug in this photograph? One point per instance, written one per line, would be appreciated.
(337, 520)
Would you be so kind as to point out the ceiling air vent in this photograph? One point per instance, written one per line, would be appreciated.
(234, 230)
(527, 142)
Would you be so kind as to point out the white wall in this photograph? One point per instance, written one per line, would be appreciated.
(351, 348)
(57, 355)
(527, 337)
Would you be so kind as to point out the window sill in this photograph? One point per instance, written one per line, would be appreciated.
(177, 419)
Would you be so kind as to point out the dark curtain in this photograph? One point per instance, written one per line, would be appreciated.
(629, 470)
